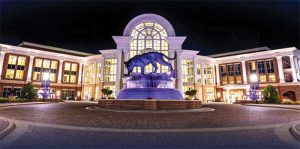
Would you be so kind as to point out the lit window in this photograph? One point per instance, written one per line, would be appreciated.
(70, 72)
(89, 71)
(45, 69)
(208, 72)
(187, 71)
(110, 70)
(149, 35)
(15, 67)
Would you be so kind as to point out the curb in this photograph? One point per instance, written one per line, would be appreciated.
(11, 126)
(295, 133)
(272, 107)
(23, 104)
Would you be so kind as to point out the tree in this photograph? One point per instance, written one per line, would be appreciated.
(270, 94)
(106, 91)
(190, 93)
(28, 92)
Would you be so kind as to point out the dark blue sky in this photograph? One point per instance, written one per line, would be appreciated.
(210, 26)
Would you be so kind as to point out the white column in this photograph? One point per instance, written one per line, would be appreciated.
(61, 62)
(80, 74)
(179, 72)
(102, 69)
(30, 67)
(95, 74)
(296, 66)
(280, 69)
(227, 95)
(202, 74)
(118, 77)
(2, 54)
(213, 73)
(293, 68)
(195, 71)
(244, 72)
(217, 74)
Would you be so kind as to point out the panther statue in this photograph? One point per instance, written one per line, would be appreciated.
(148, 58)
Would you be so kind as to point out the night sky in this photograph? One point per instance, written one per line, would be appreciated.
(211, 27)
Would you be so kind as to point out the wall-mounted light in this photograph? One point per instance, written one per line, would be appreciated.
(58, 93)
(78, 93)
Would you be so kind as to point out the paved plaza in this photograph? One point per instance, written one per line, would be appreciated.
(71, 125)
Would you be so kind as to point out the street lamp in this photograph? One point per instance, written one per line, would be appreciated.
(254, 87)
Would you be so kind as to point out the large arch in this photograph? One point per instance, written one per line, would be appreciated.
(152, 18)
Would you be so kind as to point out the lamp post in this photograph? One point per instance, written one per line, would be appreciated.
(45, 87)
(254, 87)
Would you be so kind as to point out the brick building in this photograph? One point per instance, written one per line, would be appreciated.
(81, 76)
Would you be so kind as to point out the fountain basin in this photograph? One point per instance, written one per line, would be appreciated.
(149, 93)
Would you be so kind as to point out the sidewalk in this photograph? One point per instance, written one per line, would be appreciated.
(293, 107)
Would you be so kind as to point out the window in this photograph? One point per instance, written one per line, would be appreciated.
(199, 72)
(15, 67)
(98, 73)
(210, 94)
(45, 69)
(208, 72)
(238, 77)
(286, 63)
(110, 70)
(270, 70)
(149, 36)
(187, 71)
(265, 70)
(89, 72)
(223, 73)
(230, 72)
(70, 72)
(6, 91)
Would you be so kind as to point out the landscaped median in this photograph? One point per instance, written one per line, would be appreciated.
(6, 126)
(295, 131)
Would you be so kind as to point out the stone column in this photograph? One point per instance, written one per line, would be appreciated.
(217, 74)
(293, 68)
(102, 69)
(2, 54)
(245, 80)
(59, 78)
(179, 72)
(202, 74)
(195, 71)
(118, 76)
(296, 66)
(80, 73)
(227, 95)
(280, 69)
(30, 67)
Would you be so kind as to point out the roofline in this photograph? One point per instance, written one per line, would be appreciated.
(259, 49)
(24, 43)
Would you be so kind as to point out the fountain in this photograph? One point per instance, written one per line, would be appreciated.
(152, 91)
(159, 86)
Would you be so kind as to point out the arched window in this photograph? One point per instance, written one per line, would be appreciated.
(149, 36)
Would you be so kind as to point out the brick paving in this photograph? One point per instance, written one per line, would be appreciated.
(3, 124)
(298, 127)
(75, 114)
(59, 138)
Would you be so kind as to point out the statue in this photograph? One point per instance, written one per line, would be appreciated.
(148, 58)
(141, 86)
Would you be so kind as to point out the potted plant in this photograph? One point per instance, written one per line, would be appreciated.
(106, 92)
(190, 94)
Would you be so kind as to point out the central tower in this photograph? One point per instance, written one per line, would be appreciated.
(144, 32)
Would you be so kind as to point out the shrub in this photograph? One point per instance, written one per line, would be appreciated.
(288, 102)
(190, 93)
(3, 100)
(28, 92)
(270, 95)
(188, 98)
(106, 91)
